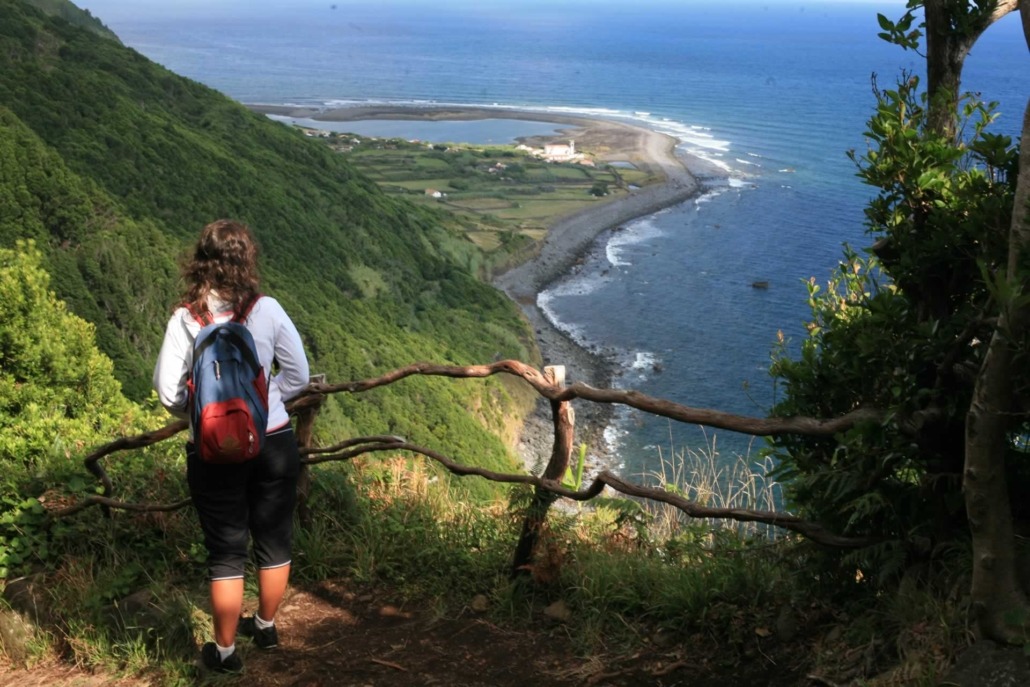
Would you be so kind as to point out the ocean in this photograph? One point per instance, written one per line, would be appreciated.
(774, 93)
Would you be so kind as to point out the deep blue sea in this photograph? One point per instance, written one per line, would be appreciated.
(775, 93)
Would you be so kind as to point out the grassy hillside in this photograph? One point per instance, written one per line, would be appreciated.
(113, 163)
(73, 15)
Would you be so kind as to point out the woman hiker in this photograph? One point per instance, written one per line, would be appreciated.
(253, 499)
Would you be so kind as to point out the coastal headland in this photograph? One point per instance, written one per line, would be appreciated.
(568, 237)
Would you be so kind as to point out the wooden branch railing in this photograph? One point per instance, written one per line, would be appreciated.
(770, 426)
(548, 486)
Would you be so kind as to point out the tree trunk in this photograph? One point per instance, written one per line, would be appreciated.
(304, 433)
(1024, 15)
(945, 53)
(1000, 606)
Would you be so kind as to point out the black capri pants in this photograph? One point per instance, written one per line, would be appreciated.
(251, 500)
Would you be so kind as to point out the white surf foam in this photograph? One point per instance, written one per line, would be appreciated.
(644, 362)
(707, 197)
(545, 301)
(637, 232)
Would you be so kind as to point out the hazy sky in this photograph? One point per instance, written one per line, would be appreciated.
(101, 8)
(116, 12)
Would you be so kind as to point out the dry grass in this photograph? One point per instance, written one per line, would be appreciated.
(706, 477)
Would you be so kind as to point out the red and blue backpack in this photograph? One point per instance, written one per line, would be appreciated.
(228, 393)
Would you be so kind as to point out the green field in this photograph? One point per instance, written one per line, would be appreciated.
(502, 197)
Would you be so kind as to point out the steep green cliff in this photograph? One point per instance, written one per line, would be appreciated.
(73, 15)
(113, 163)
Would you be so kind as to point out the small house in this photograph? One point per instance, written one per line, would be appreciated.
(560, 151)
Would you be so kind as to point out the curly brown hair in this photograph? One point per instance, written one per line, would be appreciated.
(224, 260)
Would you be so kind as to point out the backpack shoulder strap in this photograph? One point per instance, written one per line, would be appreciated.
(207, 318)
(203, 319)
(247, 307)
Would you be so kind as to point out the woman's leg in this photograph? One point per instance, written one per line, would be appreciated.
(272, 496)
(271, 588)
(220, 497)
(226, 606)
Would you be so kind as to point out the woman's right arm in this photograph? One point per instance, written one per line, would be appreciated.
(172, 367)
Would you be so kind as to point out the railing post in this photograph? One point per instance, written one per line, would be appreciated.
(564, 419)
(305, 429)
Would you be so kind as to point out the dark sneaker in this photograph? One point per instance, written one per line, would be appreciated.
(267, 638)
(215, 663)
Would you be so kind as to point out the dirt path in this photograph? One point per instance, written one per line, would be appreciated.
(333, 634)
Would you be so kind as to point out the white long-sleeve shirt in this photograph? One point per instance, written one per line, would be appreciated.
(275, 338)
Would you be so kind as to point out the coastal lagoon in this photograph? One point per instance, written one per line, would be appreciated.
(477, 132)
(773, 95)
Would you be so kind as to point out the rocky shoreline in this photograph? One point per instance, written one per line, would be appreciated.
(568, 241)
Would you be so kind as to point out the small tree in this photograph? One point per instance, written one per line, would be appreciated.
(940, 345)
(58, 396)
(58, 393)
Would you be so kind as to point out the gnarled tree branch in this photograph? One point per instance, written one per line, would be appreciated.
(316, 392)
(754, 426)
(361, 445)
